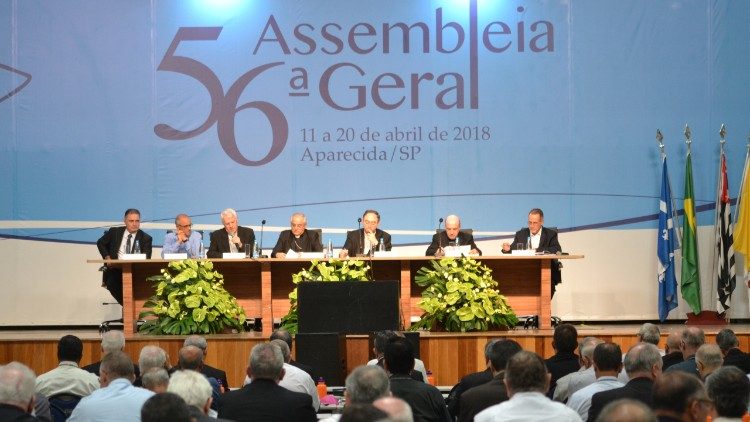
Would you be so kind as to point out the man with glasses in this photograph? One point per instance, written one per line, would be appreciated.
(298, 239)
(231, 238)
(367, 240)
(183, 239)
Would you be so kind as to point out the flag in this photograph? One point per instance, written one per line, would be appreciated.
(742, 226)
(665, 246)
(725, 272)
(690, 283)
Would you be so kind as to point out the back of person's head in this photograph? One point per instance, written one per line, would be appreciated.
(726, 340)
(608, 357)
(397, 409)
(399, 356)
(367, 383)
(69, 348)
(500, 351)
(17, 384)
(729, 388)
(192, 386)
(382, 338)
(674, 391)
(266, 362)
(641, 358)
(113, 341)
(362, 412)
(165, 407)
(709, 357)
(673, 341)
(117, 365)
(649, 333)
(281, 334)
(693, 337)
(487, 347)
(197, 341)
(586, 347)
(526, 372)
(191, 357)
(565, 338)
(155, 379)
(152, 357)
(285, 352)
(626, 410)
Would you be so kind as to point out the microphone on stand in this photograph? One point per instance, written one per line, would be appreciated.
(262, 224)
(440, 251)
(361, 237)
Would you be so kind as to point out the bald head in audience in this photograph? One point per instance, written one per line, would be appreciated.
(626, 410)
(708, 358)
(397, 409)
(17, 383)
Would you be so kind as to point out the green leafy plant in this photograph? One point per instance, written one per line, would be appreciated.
(190, 298)
(461, 295)
(332, 270)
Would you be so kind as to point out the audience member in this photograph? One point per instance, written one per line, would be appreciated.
(67, 378)
(692, 339)
(191, 358)
(564, 361)
(381, 338)
(650, 333)
(469, 381)
(585, 376)
(16, 392)
(626, 410)
(362, 412)
(397, 409)
(642, 364)
(729, 388)
(112, 341)
(708, 358)
(281, 334)
(527, 381)
(263, 399)
(207, 370)
(478, 398)
(364, 384)
(42, 409)
(151, 357)
(117, 400)
(165, 407)
(672, 353)
(425, 400)
(680, 396)
(156, 380)
(296, 379)
(607, 364)
(730, 348)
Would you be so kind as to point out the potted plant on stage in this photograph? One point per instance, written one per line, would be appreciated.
(190, 298)
(461, 295)
(332, 270)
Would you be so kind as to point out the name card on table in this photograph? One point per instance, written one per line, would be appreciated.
(175, 255)
(385, 254)
(312, 255)
(523, 252)
(457, 251)
(132, 256)
(233, 255)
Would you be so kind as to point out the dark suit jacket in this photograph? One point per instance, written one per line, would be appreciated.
(636, 389)
(109, 243)
(94, 368)
(309, 241)
(441, 239)
(221, 376)
(478, 398)
(468, 381)
(671, 359)
(13, 413)
(425, 400)
(688, 365)
(264, 400)
(355, 238)
(547, 243)
(220, 241)
(738, 358)
(560, 365)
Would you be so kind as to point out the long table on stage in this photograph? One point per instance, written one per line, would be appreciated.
(262, 286)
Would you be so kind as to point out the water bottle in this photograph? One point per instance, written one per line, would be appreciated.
(254, 250)
(458, 241)
(201, 250)
(322, 388)
(528, 243)
(381, 245)
(329, 251)
(137, 247)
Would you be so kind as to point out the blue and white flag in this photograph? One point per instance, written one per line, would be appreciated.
(665, 247)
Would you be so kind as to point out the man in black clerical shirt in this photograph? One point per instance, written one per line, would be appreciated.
(368, 239)
(298, 239)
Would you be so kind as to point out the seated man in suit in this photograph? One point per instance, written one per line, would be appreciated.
(539, 238)
(298, 239)
(183, 239)
(209, 371)
(231, 238)
(679, 396)
(366, 240)
(730, 348)
(118, 241)
(451, 236)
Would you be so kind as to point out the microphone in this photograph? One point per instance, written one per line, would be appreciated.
(440, 235)
(262, 224)
(361, 236)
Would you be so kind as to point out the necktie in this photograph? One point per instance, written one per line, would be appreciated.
(127, 244)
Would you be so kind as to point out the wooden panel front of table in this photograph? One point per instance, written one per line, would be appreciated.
(262, 286)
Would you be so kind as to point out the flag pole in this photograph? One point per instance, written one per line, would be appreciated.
(688, 141)
(717, 210)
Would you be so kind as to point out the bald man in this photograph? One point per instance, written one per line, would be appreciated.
(452, 236)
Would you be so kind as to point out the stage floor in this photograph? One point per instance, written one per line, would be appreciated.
(448, 355)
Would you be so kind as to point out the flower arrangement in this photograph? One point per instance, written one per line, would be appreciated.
(191, 298)
(332, 270)
(461, 295)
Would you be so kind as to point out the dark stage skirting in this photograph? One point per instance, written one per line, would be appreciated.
(448, 355)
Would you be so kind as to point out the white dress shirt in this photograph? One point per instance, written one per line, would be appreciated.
(580, 401)
(528, 406)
